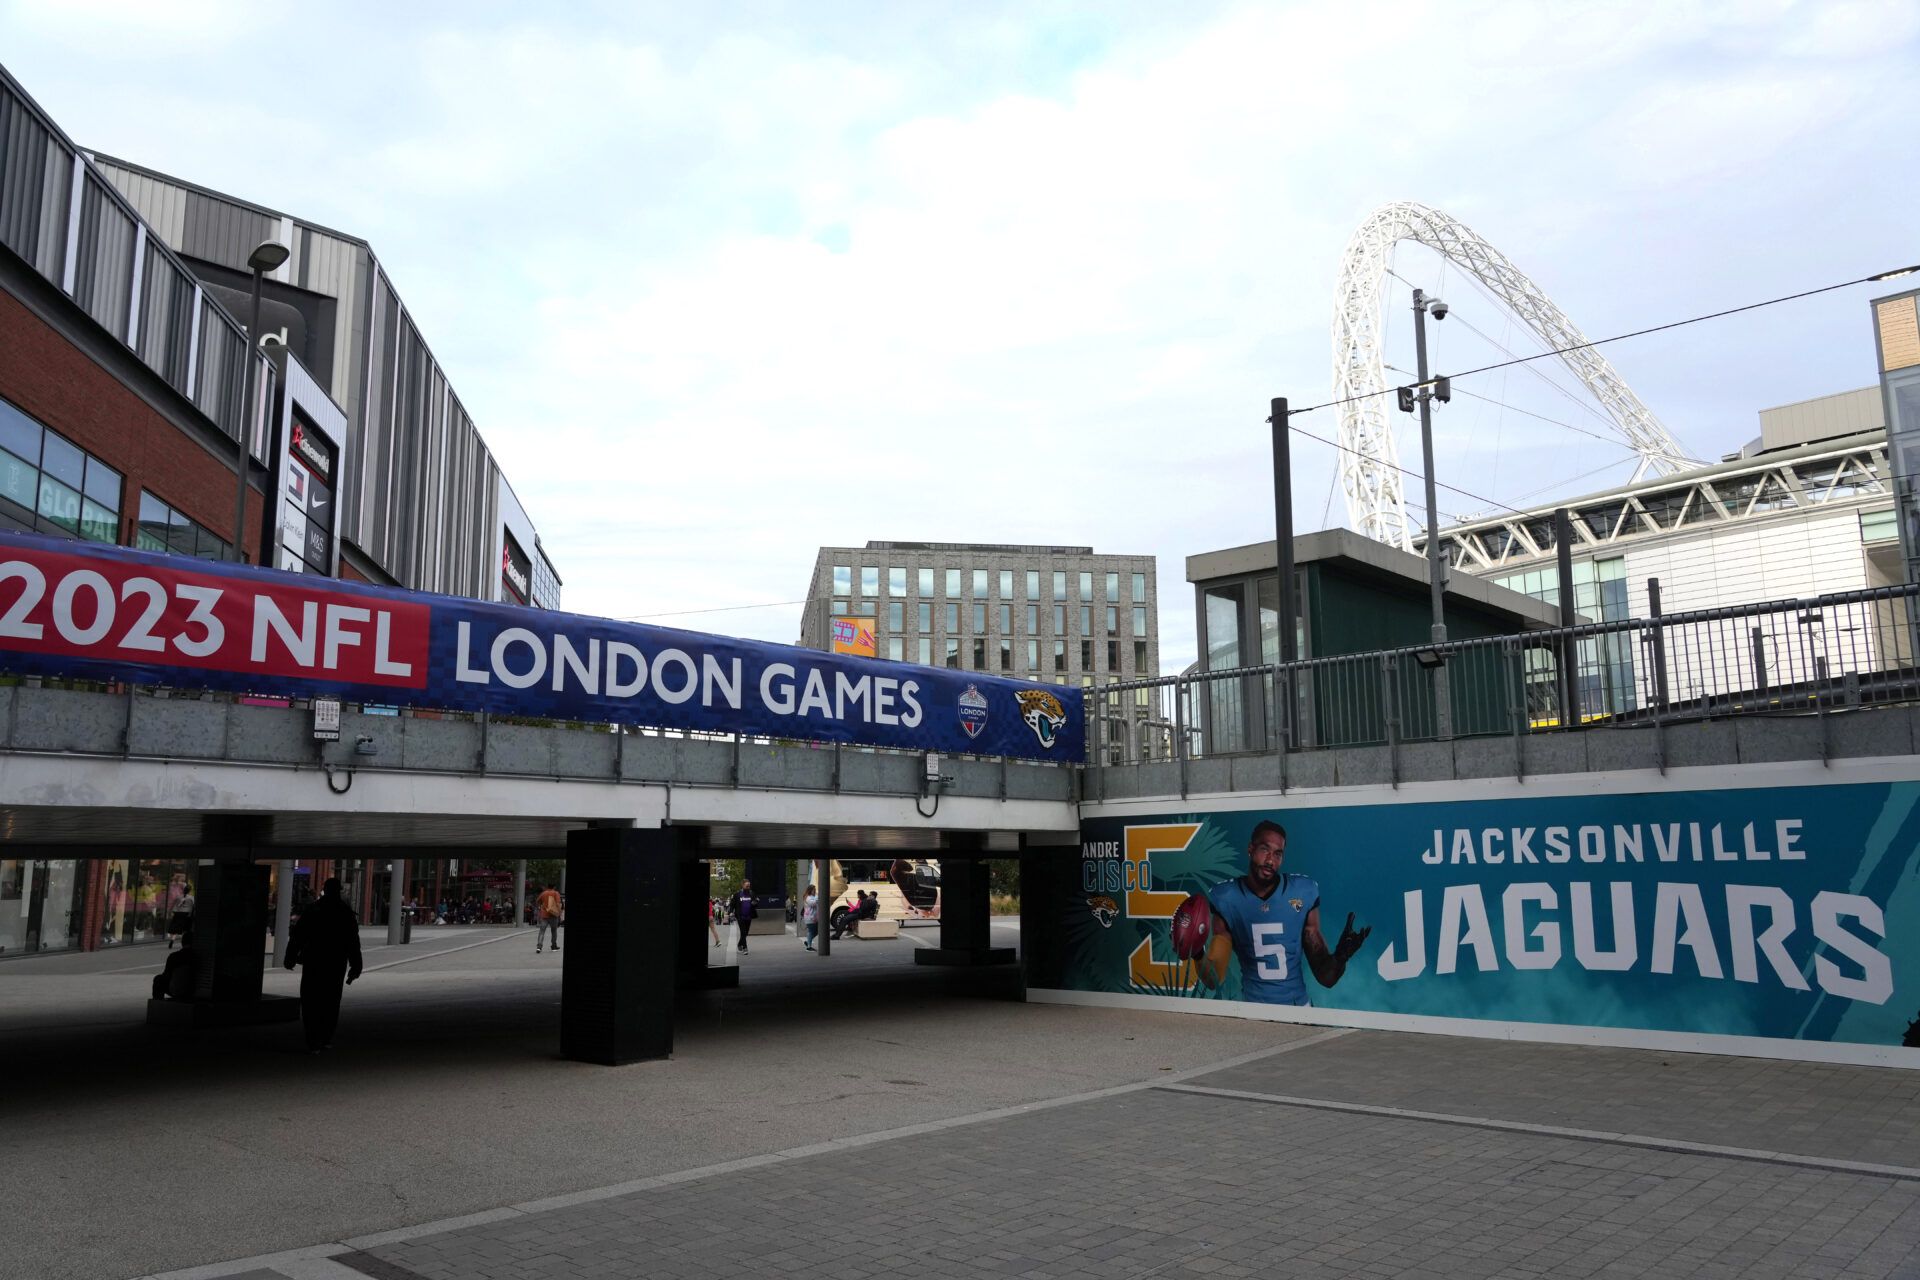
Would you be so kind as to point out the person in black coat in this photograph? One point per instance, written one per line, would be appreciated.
(326, 944)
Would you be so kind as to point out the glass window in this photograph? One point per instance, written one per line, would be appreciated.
(19, 436)
(979, 584)
(979, 616)
(924, 656)
(1033, 618)
(1006, 618)
(926, 582)
(1139, 586)
(63, 461)
(924, 616)
(1113, 617)
(1033, 584)
(151, 535)
(953, 617)
(59, 503)
(1006, 584)
(1223, 628)
(1059, 584)
(896, 581)
(896, 616)
(97, 523)
(1086, 584)
(19, 481)
(1113, 586)
(953, 651)
(869, 577)
(842, 578)
(1139, 619)
(103, 485)
(1006, 655)
(863, 608)
(1033, 656)
(1140, 658)
(1086, 619)
(953, 583)
(979, 654)
(1086, 655)
(1060, 620)
(896, 648)
(1059, 655)
(839, 606)
(1113, 655)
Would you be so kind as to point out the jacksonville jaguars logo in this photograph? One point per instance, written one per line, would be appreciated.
(1042, 713)
(1104, 909)
(1294, 903)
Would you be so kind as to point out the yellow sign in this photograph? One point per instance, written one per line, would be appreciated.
(854, 636)
(1899, 333)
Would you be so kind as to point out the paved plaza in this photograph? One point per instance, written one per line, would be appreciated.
(860, 1117)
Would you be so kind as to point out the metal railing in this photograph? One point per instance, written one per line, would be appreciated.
(1854, 648)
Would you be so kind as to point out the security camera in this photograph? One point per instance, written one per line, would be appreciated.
(1438, 309)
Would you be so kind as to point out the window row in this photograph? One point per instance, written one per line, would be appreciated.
(982, 581)
(50, 485)
(923, 615)
(1002, 656)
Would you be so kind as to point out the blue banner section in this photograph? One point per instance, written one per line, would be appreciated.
(110, 613)
(1775, 912)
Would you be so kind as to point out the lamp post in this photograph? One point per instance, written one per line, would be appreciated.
(1436, 566)
(266, 256)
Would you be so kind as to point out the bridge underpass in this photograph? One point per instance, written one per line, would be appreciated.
(635, 817)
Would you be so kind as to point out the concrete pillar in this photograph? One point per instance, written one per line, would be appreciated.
(823, 881)
(519, 892)
(623, 939)
(397, 902)
(966, 937)
(283, 912)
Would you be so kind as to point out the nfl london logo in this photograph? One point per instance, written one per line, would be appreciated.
(973, 711)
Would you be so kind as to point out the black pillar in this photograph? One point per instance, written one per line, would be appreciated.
(965, 935)
(623, 934)
(693, 967)
(231, 909)
(1049, 886)
(769, 877)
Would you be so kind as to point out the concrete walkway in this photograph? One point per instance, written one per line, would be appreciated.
(963, 1133)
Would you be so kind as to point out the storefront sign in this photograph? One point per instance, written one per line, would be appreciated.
(513, 568)
(312, 448)
(1778, 912)
(112, 613)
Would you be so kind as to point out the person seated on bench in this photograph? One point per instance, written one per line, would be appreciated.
(866, 908)
(175, 981)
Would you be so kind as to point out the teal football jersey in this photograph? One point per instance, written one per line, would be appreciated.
(1266, 935)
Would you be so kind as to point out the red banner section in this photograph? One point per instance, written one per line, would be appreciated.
(95, 607)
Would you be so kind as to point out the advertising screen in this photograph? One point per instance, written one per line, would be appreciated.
(854, 636)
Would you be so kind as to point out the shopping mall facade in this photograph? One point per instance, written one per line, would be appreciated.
(124, 392)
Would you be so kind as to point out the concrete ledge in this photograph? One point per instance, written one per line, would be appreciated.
(876, 928)
(964, 958)
(222, 1013)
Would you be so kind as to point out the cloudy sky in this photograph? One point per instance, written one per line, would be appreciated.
(724, 283)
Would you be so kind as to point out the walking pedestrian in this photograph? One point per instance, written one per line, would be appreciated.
(713, 916)
(326, 946)
(182, 918)
(742, 905)
(810, 915)
(547, 909)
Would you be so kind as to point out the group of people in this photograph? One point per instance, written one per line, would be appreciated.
(472, 911)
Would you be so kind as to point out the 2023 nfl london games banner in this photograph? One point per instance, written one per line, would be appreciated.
(109, 613)
(1772, 912)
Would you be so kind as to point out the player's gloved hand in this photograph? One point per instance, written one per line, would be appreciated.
(1350, 942)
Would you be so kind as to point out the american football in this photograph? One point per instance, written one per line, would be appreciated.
(1192, 927)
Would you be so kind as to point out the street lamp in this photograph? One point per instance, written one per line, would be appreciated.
(266, 256)
(1425, 393)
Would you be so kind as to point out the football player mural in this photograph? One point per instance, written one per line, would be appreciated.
(1269, 920)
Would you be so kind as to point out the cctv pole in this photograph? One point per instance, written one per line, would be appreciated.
(244, 428)
(1283, 563)
(1436, 566)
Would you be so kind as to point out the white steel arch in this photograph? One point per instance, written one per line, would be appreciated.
(1369, 461)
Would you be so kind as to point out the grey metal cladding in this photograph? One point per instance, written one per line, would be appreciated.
(167, 311)
(103, 282)
(221, 231)
(25, 177)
